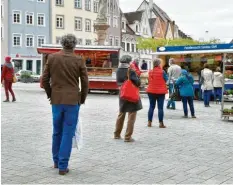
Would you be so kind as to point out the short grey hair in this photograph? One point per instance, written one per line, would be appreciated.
(68, 41)
(171, 61)
(126, 59)
(157, 62)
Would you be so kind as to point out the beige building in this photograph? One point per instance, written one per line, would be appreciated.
(78, 17)
(4, 29)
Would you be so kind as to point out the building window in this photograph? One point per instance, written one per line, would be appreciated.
(38, 67)
(60, 22)
(78, 23)
(115, 22)
(88, 25)
(29, 41)
(111, 41)
(59, 2)
(132, 47)
(17, 17)
(17, 39)
(29, 65)
(117, 41)
(40, 40)
(123, 25)
(96, 6)
(88, 5)
(128, 47)
(58, 40)
(79, 41)
(88, 42)
(29, 18)
(2, 10)
(137, 30)
(41, 19)
(78, 3)
(41, 1)
(2, 32)
(123, 45)
(109, 21)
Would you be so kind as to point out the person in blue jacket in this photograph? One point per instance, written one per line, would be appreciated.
(185, 84)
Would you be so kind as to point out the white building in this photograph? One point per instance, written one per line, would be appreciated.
(4, 30)
(78, 17)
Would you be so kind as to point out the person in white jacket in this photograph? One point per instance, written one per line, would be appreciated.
(218, 84)
(207, 84)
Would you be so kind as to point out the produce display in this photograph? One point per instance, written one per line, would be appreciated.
(228, 111)
(229, 74)
(228, 94)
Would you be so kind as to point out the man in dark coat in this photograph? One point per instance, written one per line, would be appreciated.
(65, 69)
(126, 106)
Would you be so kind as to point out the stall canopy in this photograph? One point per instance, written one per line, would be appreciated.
(194, 49)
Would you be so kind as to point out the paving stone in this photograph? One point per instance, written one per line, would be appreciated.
(188, 151)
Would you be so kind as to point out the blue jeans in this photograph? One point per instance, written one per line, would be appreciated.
(160, 99)
(207, 95)
(188, 100)
(171, 103)
(65, 119)
(218, 93)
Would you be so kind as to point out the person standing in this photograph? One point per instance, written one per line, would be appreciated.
(144, 65)
(135, 67)
(174, 72)
(185, 84)
(207, 84)
(65, 70)
(7, 78)
(218, 84)
(124, 105)
(156, 90)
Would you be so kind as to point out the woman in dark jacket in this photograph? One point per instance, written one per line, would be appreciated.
(126, 106)
(7, 78)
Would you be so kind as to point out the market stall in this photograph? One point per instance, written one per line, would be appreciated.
(194, 57)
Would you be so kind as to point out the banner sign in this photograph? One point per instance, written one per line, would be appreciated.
(195, 48)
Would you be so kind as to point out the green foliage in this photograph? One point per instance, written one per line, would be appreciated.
(25, 75)
(150, 43)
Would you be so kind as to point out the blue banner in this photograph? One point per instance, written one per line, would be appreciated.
(195, 47)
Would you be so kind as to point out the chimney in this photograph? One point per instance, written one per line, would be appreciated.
(151, 7)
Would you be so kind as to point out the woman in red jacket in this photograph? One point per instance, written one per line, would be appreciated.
(7, 77)
(156, 92)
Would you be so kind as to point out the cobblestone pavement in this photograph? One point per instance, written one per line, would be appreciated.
(188, 151)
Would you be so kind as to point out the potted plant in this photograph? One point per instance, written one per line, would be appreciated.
(26, 77)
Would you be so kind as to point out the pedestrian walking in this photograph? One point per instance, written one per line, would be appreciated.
(156, 90)
(124, 72)
(65, 69)
(218, 84)
(174, 72)
(185, 85)
(7, 79)
(207, 78)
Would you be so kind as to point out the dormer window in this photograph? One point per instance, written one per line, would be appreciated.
(123, 25)
(137, 28)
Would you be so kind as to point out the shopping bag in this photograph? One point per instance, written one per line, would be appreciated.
(14, 79)
(129, 91)
(77, 141)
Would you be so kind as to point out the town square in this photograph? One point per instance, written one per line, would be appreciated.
(116, 92)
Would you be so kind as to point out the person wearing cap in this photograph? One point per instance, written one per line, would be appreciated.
(156, 90)
(124, 105)
(174, 72)
(185, 85)
(135, 66)
(7, 79)
(66, 70)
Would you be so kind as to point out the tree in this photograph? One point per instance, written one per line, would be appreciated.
(150, 43)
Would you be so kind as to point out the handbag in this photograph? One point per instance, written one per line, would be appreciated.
(14, 79)
(129, 91)
(175, 95)
(77, 140)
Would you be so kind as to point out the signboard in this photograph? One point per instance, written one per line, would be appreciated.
(195, 48)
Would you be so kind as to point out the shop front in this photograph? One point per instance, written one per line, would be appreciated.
(193, 58)
(27, 62)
